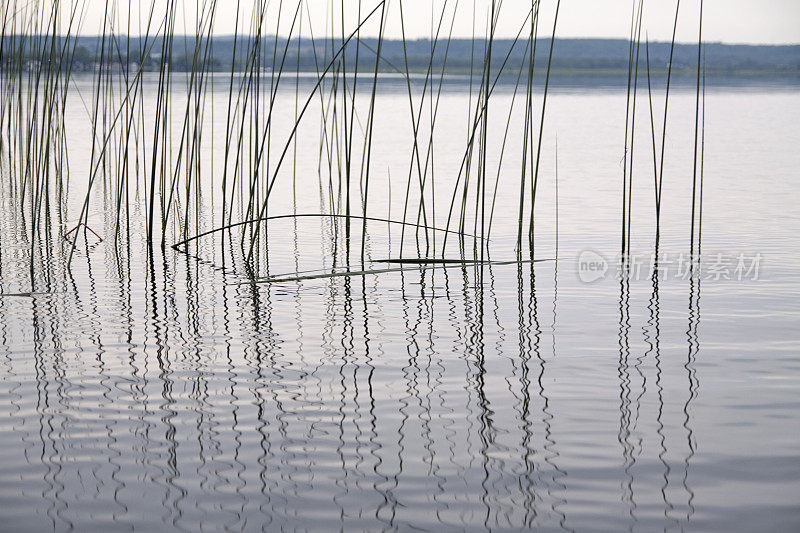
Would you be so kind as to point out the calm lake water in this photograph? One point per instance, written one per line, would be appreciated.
(172, 390)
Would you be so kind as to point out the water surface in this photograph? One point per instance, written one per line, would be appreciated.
(173, 390)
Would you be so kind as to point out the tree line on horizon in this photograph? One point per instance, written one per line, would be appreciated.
(573, 54)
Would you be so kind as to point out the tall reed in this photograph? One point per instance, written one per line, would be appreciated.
(149, 106)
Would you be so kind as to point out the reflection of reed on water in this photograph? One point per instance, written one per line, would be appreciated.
(427, 396)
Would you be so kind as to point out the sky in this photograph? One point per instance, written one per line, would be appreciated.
(729, 21)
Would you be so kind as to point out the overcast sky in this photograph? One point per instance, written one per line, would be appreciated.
(730, 21)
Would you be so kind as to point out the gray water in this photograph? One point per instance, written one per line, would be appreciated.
(173, 391)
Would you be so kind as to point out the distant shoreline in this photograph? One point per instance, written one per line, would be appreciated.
(571, 57)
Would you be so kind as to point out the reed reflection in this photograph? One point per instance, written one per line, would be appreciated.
(652, 334)
(674, 489)
(693, 340)
(426, 397)
(623, 369)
